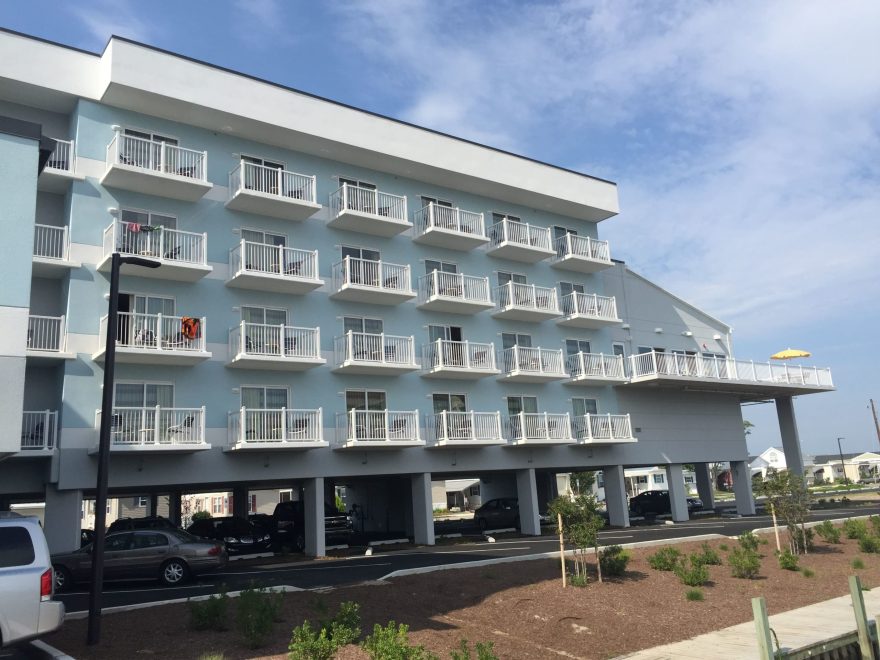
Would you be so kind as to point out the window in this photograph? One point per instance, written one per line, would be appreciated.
(644, 349)
(360, 253)
(149, 135)
(264, 315)
(449, 402)
(688, 480)
(365, 400)
(659, 479)
(437, 202)
(117, 542)
(575, 346)
(518, 404)
(505, 277)
(216, 505)
(618, 349)
(143, 395)
(560, 232)
(252, 503)
(566, 288)
(141, 304)
(264, 398)
(445, 332)
(140, 502)
(600, 480)
(356, 182)
(285, 496)
(148, 218)
(582, 406)
(511, 339)
(16, 547)
(642, 480)
(498, 217)
(443, 266)
(260, 161)
(263, 237)
(361, 268)
(364, 325)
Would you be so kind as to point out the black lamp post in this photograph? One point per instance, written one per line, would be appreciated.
(842, 466)
(94, 629)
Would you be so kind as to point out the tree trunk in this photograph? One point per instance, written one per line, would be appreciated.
(561, 547)
(775, 527)
(598, 562)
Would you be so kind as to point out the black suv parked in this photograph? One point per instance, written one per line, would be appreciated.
(240, 535)
(290, 521)
(148, 522)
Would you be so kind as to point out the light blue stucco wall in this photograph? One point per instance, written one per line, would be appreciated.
(19, 157)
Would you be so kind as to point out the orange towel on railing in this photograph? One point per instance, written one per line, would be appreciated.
(190, 328)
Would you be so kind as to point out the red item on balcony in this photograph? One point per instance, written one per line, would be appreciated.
(190, 328)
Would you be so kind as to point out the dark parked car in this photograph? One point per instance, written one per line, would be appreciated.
(290, 525)
(656, 502)
(498, 513)
(241, 536)
(170, 555)
(148, 522)
(264, 523)
(86, 536)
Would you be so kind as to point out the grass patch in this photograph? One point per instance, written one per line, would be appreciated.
(808, 572)
(694, 595)
(665, 559)
(857, 564)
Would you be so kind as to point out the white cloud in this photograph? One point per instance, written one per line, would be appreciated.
(105, 18)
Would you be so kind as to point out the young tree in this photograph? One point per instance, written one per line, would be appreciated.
(581, 523)
(582, 482)
(789, 498)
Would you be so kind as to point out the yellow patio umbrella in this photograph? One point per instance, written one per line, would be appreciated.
(790, 354)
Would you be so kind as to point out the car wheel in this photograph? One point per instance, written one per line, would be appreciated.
(482, 524)
(63, 578)
(173, 572)
(299, 542)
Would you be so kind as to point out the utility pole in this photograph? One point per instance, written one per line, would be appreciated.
(876, 423)
(842, 466)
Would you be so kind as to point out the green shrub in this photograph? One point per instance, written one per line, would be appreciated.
(744, 563)
(821, 500)
(256, 612)
(200, 515)
(707, 556)
(613, 560)
(869, 544)
(210, 614)
(392, 643)
(578, 580)
(693, 573)
(807, 573)
(831, 500)
(748, 541)
(875, 524)
(723, 547)
(827, 532)
(857, 564)
(855, 529)
(484, 650)
(665, 559)
(787, 560)
(845, 500)
(693, 594)
(307, 643)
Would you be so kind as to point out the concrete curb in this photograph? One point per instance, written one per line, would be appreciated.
(373, 544)
(39, 649)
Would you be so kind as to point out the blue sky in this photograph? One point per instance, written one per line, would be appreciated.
(743, 136)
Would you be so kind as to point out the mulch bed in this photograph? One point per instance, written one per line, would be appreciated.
(521, 607)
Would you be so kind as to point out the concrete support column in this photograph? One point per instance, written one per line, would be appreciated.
(422, 509)
(153, 504)
(677, 493)
(704, 485)
(62, 519)
(240, 502)
(615, 496)
(791, 444)
(742, 487)
(175, 504)
(313, 505)
(527, 494)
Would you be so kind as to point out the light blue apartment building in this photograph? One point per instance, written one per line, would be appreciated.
(342, 299)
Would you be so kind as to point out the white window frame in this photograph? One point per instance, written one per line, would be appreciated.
(366, 392)
(449, 395)
(622, 346)
(144, 384)
(355, 181)
(151, 133)
(263, 387)
(264, 309)
(150, 213)
(502, 215)
(258, 230)
(242, 156)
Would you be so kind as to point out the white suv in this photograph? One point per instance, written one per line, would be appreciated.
(26, 581)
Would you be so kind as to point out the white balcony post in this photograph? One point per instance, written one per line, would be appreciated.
(242, 421)
(350, 349)
(654, 362)
(473, 419)
(155, 424)
(282, 340)
(515, 365)
(284, 424)
(202, 425)
(387, 427)
(610, 428)
(345, 197)
(44, 441)
(280, 259)
(431, 214)
(467, 353)
(382, 347)
(161, 154)
(158, 332)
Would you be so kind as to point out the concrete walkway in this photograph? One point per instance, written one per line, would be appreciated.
(795, 629)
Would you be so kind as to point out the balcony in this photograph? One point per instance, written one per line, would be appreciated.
(595, 369)
(374, 354)
(154, 167)
(156, 339)
(182, 255)
(539, 429)
(464, 429)
(47, 338)
(377, 429)
(520, 364)
(587, 310)
(272, 192)
(450, 228)
(747, 379)
(274, 347)
(581, 254)
(52, 252)
(454, 293)
(459, 360)
(60, 169)
(368, 211)
(525, 302)
(366, 281)
(519, 241)
(39, 432)
(602, 429)
(276, 268)
(254, 429)
(157, 430)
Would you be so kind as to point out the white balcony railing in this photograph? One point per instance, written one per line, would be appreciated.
(271, 181)
(572, 245)
(39, 429)
(467, 288)
(283, 425)
(47, 333)
(156, 426)
(258, 258)
(537, 361)
(539, 426)
(526, 296)
(725, 368)
(378, 349)
(595, 365)
(369, 201)
(607, 427)
(379, 426)
(374, 274)
(62, 158)
(275, 341)
(157, 156)
(520, 233)
(434, 216)
(589, 304)
(158, 332)
(51, 242)
(443, 353)
(156, 242)
(467, 426)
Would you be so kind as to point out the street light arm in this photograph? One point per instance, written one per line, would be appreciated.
(139, 261)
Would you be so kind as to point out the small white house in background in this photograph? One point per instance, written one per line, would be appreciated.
(638, 480)
(770, 458)
(856, 467)
(461, 494)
